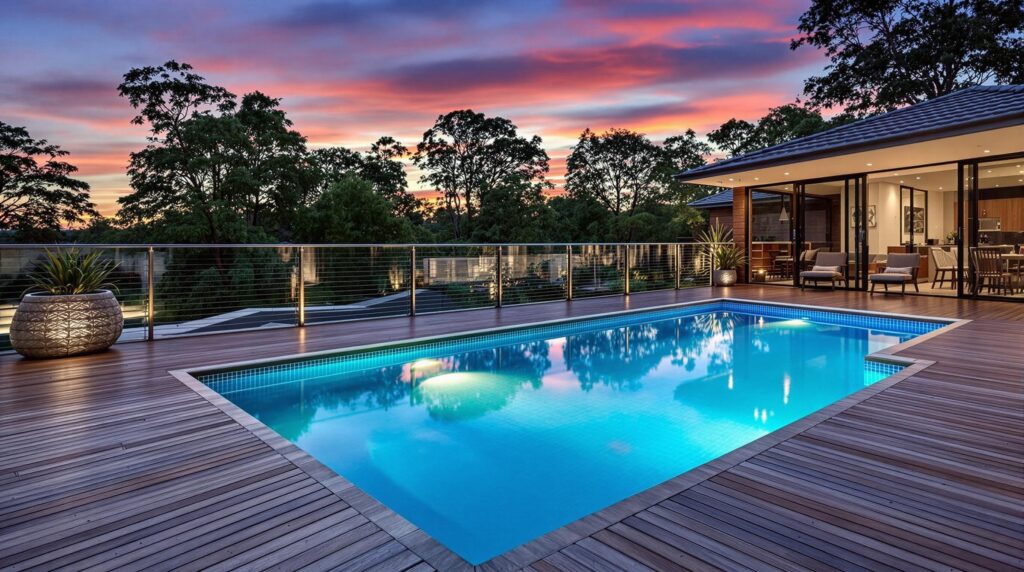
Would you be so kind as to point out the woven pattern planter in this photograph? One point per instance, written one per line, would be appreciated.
(47, 326)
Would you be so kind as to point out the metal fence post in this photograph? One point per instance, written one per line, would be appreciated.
(302, 288)
(149, 295)
(629, 271)
(412, 281)
(679, 265)
(497, 277)
(568, 272)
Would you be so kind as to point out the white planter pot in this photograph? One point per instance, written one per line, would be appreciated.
(47, 326)
(724, 277)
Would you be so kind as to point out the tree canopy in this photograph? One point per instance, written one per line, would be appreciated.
(465, 155)
(622, 169)
(37, 191)
(780, 124)
(889, 53)
(633, 179)
(350, 212)
(220, 167)
(380, 166)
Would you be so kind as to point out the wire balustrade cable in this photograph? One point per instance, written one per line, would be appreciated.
(173, 290)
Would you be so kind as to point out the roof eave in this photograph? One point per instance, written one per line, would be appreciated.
(882, 143)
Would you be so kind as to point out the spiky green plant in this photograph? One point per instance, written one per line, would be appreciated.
(70, 272)
(719, 249)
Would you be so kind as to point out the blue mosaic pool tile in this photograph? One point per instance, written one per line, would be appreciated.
(247, 378)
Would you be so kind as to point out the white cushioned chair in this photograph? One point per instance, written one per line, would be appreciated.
(899, 269)
(828, 267)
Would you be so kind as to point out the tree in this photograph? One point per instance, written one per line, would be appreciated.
(383, 170)
(224, 170)
(890, 53)
(266, 162)
(580, 219)
(352, 212)
(781, 124)
(622, 169)
(166, 96)
(514, 211)
(380, 166)
(682, 153)
(37, 192)
(467, 154)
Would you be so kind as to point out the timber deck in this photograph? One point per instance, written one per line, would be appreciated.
(107, 461)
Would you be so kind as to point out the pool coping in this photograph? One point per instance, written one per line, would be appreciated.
(441, 557)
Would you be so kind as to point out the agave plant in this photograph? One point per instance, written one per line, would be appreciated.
(719, 249)
(70, 272)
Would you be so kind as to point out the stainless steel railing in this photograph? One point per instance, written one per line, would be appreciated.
(172, 290)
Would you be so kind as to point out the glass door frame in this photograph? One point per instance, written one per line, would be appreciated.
(854, 193)
(792, 200)
(967, 219)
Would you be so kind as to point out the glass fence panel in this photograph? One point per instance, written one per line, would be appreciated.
(533, 273)
(128, 280)
(351, 283)
(221, 289)
(455, 278)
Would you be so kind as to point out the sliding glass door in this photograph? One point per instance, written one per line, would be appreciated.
(791, 224)
(773, 258)
(991, 215)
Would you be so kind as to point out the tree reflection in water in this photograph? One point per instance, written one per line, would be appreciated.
(296, 404)
(478, 382)
(622, 357)
(475, 383)
(471, 384)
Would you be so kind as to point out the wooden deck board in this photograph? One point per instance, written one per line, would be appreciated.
(107, 461)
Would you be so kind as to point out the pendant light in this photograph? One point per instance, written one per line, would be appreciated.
(784, 215)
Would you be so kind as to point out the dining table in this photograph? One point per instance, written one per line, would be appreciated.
(1014, 264)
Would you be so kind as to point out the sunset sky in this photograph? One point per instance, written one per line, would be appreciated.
(349, 72)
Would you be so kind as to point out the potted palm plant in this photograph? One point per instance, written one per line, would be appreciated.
(70, 309)
(721, 254)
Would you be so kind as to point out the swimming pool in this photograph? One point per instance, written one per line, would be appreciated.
(488, 441)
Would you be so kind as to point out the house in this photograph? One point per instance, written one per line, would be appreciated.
(943, 178)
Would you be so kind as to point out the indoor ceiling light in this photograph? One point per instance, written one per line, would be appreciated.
(869, 164)
(786, 173)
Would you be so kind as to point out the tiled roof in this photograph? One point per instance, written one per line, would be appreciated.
(968, 110)
(724, 199)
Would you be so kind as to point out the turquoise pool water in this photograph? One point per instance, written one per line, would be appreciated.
(488, 442)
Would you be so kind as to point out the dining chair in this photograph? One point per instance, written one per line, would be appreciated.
(989, 271)
(945, 263)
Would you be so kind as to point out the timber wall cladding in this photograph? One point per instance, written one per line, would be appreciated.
(740, 216)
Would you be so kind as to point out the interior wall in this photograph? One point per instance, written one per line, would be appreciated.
(936, 216)
(886, 198)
